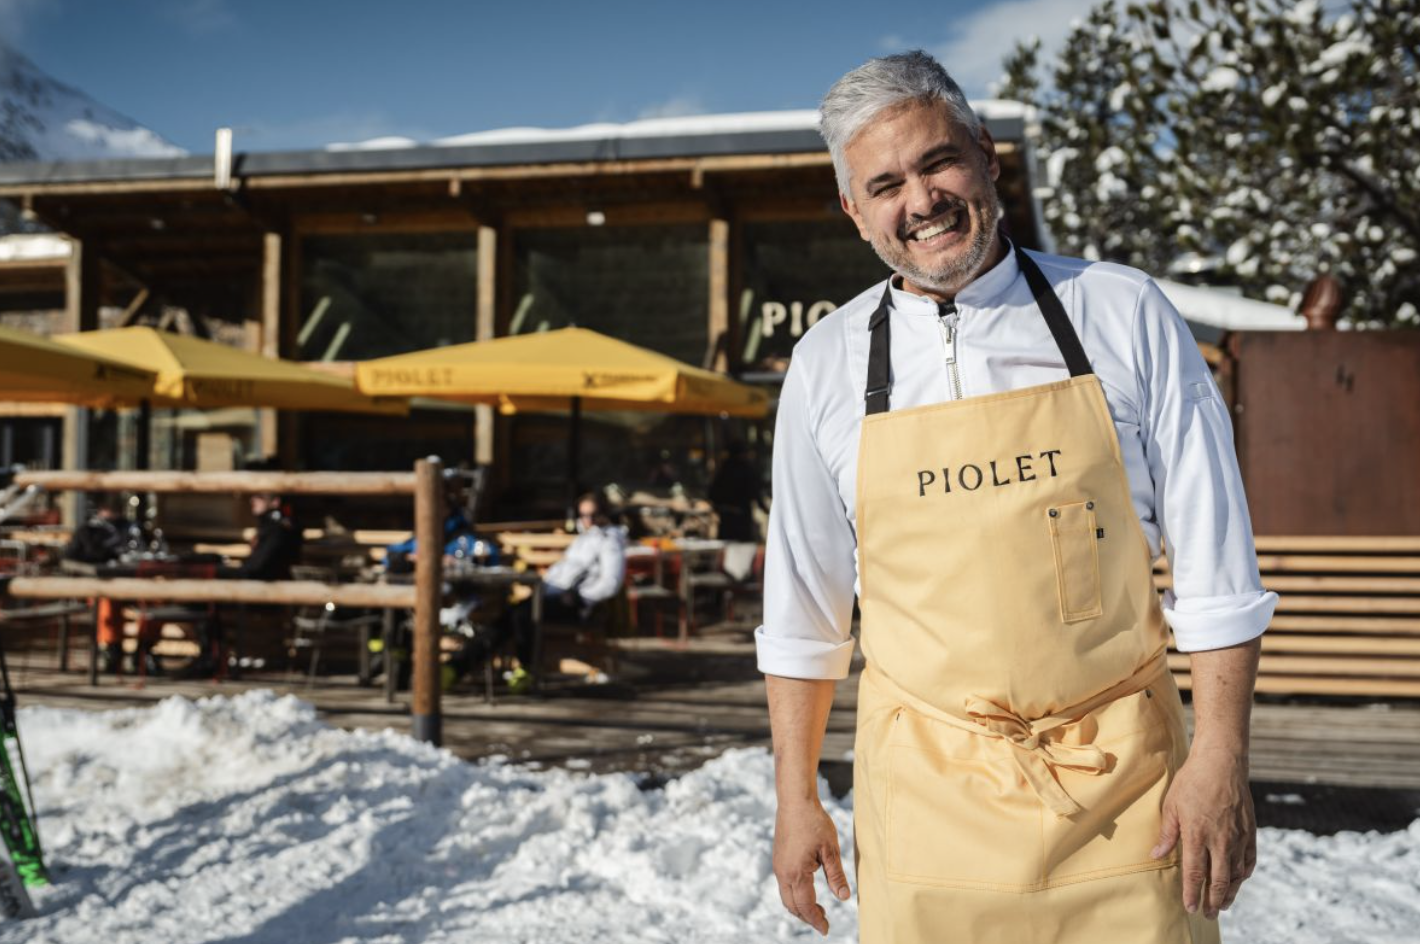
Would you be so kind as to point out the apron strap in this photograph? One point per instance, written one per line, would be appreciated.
(879, 366)
(879, 386)
(1049, 304)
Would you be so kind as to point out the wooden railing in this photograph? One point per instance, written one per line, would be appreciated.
(1349, 618)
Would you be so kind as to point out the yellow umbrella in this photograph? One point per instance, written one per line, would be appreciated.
(550, 369)
(202, 374)
(570, 367)
(36, 369)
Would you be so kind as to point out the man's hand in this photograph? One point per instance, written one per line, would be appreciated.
(805, 839)
(1209, 807)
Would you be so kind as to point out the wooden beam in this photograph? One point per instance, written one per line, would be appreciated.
(81, 287)
(450, 218)
(16, 408)
(485, 328)
(718, 309)
(631, 214)
(1372, 544)
(284, 592)
(81, 187)
(428, 535)
(272, 255)
(283, 483)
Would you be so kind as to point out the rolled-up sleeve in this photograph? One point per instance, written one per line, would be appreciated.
(809, 560)
(1217, 598)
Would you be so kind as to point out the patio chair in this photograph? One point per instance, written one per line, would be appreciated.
(318, 627)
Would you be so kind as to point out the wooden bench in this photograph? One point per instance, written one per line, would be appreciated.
(1349, 618)
(538, 549)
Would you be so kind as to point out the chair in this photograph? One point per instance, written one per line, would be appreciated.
(729, 569)
(318, 626)
(646, 585)
(152, 618)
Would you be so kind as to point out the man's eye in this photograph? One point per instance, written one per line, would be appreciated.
(884, 190)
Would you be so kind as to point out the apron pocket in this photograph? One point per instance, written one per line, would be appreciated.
(1121, 815)
(1077, 565)
(958, 822)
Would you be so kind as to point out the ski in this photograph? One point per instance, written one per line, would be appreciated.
(14, 899)
(17, 820)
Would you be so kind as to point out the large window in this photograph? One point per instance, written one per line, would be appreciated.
(794, 274)
(375, 294)
(644, 284)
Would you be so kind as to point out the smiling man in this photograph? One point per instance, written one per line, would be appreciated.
(991, 449)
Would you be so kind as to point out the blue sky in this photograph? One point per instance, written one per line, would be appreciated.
(304, 73)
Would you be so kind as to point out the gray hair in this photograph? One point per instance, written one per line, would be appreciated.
(881, 84)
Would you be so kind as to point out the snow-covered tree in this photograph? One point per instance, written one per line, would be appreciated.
(1271, 140)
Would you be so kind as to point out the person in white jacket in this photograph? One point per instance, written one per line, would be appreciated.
(589, 572)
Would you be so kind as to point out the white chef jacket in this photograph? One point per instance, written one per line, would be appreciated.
(1174, 434)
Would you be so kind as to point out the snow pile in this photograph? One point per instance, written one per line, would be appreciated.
(247, 819)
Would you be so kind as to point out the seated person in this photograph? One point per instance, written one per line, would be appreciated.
(277, 544)
(460, 542)
(102, 539)
(590, 571)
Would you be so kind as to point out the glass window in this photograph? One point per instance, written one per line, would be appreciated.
(794, 274)
(376, 294)
(648, 285)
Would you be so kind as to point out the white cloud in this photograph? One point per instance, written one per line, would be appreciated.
(677, 107)
(202, 17)
(977, 44)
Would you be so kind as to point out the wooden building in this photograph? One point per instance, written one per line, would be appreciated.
(716, 239)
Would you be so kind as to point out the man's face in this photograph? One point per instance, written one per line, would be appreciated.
(261, 504)
(924, 194)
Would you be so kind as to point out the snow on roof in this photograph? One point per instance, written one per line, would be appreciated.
(39, 247)
(682, 126)
(1227, 311)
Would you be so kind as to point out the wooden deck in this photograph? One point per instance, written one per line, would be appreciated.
(671, 709)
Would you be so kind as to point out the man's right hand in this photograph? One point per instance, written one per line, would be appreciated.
(805, 839)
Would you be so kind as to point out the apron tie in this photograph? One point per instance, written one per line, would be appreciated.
(1035, 754)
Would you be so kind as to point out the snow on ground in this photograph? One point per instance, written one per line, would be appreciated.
(246, 820)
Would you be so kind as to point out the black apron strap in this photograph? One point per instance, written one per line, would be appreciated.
(879, 366)
(1049, 304)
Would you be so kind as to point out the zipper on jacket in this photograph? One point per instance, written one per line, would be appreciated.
(947, 323)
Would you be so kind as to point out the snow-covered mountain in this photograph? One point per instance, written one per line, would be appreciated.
(42, 119)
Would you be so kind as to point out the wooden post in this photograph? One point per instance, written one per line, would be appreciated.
(271, 253)
(485, 330)
(719, 307)
(428, 564)
(81, 313)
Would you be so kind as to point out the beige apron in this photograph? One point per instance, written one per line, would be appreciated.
(1017, 722)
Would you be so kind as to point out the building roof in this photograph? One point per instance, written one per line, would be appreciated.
(780, 132)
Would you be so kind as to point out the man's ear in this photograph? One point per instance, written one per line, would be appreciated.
(851, 209)
(988, 147)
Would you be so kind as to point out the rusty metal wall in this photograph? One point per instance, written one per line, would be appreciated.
(1328, 430)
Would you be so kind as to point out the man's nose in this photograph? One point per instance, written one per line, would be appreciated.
(920, 198)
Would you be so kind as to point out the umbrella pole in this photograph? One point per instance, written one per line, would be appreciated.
(574, 459)
(145, 436)
(142, 461)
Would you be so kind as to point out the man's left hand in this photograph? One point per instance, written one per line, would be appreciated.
(1209, 807)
